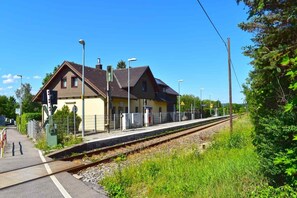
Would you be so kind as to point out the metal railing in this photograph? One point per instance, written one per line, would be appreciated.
(3, 141)
(97, 123)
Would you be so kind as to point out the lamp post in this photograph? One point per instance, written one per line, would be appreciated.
(201, 114)
(21, 92)
(81, 41)
(129, 60)
(179, 81)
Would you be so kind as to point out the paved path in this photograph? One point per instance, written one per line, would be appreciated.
(118, 133)
(60, 185)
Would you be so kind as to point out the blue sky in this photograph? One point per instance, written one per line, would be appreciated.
(173, 37)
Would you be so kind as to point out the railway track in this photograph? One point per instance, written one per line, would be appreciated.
(82, 161)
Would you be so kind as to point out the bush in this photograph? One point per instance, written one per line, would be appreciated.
(62, 118)
(24, 119)
(285, 191)
(275, 144)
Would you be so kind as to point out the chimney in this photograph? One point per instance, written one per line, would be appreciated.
(99, 65)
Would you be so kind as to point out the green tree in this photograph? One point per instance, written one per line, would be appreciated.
(49, 75)
(24, 95)
(121, 65)
(187, 101)
(7, 106)
(271, 87)
(11, 106)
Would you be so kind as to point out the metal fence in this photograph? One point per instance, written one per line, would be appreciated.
(34, 129)
(97, 123)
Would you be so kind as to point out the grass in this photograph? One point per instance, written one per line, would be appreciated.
(230, 168)
(68, 140)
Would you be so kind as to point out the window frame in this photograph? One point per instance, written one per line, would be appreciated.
(64, 82)
(73, 79)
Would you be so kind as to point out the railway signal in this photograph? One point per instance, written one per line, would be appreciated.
(48, 99)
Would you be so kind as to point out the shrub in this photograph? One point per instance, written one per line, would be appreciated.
(64, 120)
(25, 118)
(285, 191)
(275, 144)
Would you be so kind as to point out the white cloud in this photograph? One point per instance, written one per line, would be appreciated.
(8, 81)
(9, 78)
(9, 87)
(37, 77)
(1, 89)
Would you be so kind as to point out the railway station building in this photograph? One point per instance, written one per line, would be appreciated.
(147, 94)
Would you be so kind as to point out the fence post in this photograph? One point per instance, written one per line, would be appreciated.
(160, 117)
(67, 124)
(95, 123)
(74, 123)
(114, 121)
(28, 128)
(33, 128)
(121, 121)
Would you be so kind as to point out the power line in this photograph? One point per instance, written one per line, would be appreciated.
(236, 76)
(213, 25)
(217, 31)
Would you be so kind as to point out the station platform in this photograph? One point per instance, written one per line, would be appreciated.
(104, 139)
(133, 131)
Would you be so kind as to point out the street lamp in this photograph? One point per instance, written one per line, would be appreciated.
(201, 89)
(129, 60)
(21, 92)
(179, 81)
(81, 41)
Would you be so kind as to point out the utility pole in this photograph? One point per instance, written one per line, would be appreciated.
(230, 86)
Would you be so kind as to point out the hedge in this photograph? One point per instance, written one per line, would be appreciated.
(24, 119)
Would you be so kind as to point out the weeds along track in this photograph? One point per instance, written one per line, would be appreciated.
(82, 161)
(107, 154)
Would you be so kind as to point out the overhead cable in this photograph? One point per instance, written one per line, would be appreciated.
(217, 31)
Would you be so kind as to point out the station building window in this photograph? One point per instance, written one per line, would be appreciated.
(74, 81)
(64, 82)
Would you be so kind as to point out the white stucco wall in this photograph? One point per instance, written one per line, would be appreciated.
(93, 106)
